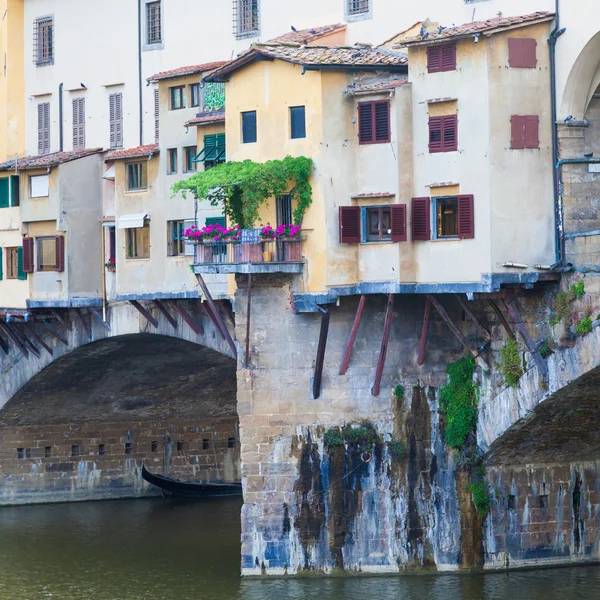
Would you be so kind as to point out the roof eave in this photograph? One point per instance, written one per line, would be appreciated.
(223, 74)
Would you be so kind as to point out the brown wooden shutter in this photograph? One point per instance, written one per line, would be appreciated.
(365, 123)
(60, 253)
(448, 58)
(522, 53)
(421, 223)
(434, 59)
(450, 133)
(382, 121)
(532, 127)
(156, 116)
(435, 134)
(466, 217)
(350, 224)
(517, 132)
(398, 222)
(28, 255)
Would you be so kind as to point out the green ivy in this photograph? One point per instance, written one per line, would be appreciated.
(458, 400)
(397, 450)
(243, 187)
(481, 496)
(399, 392)
(363, 436)
(510, 363)
(584, 326)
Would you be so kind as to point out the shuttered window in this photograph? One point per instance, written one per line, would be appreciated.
(522, 53)
(349, 218)
(398, 222)
(43, 41)
(297, 122)
(245, 18)
(4, 193)
(44, 128)
(172, 161)
(21, 274)
(9, 191)
(189, 153)
(116, 120)
(156, 116)
(443, 134)
(15, 190)
(374, 122)
(214, 150)
(28, 255)
(466, 218)
(153, 23)
(420, 217)
(78, 123)
(249, 127)
(50, 253)
(441, 58)
(524, 132)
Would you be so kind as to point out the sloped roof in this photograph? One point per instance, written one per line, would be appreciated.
(317, 57)
(306, 36)
(140, 151)
(488, 27)
(184, 71)
(206, 119)
(355, 89)
(43, 161)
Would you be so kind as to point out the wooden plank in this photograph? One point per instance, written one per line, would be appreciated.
(424, 332)
(84, 323)
(4, 345)
(318, 376)
(28, 343)
(194, 325)
(53, 331)
(484, 332)
(352, 338)
(384, 344)
(18, 343)
(98, 316)
(217, 314)
(144, 313)
(211, 315)
(248, 311)
(502, 318)
(38, 338)
(64, 322)
(163, 309)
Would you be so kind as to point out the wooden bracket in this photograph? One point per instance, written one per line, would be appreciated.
(18, 343)
(53, 331)
(98, 316)
(384, 344)
(502, 318)
(352, 338)
(144, 313)
(4, 345)
(424, 332)
(28, 343)
(64, 322)
(84, 323)
(317, 379)
(484, 332)
(163, 309)
(194, 325)
(38, 338)
(249, 307)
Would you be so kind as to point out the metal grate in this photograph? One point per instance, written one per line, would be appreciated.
(153, 22)
(245, 18)
(43, 41)
(358, 7)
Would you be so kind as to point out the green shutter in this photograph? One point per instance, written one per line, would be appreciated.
(221, 147)
(14, 190)
(20, 273)
(215, 221)
(210, 147)
(4, 200)
(1, 263)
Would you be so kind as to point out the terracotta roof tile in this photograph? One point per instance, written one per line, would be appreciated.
(305, 36)
(315, 57)
(355, 89)
(47, 160)
(488, 27)
(132, 152)
(206, 119)
(183, 71)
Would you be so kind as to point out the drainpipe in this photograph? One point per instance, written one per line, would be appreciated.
(103, 238)
(558, 215)
(60, 117)
(140, 88)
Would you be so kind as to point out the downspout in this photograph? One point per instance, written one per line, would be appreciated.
(558, 214)
(103, 272)
(140, 88)
(60, 117)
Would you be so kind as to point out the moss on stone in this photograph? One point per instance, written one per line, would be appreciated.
(510, 365)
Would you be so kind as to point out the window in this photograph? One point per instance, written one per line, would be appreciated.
(138, 242)
(43, 128)
(112, 245)
(177, 100)
(524, 132)
(283, 209)
(522, 53)
(245, 18)
(443, 134)
(12, 263)
(153, 23)
(195, 94)
(156, 116)
(249, 127)
(9, 191)
(78, 123)
(116, 120)
(214, 150)
(358, 7)
(43, 41)
(38, 186)
(374, 122)
(175, 242)
(378, 226)
(153, 446)
(454, 217)
(189, 154)
(441, 58)
(172, 158)
(298, 122)
(50, 253)
(136, 176)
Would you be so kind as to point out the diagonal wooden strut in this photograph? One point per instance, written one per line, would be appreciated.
(55, 333)
(64, 322)
(16, 341)
(166, 314)
(23, 337)
(502, 318)
(38, 338)
(4, 345)
(144, 313)
(194, 325)
(352, 338)
(84, 323)
(424, 332)
(318, 376)
(98, 316)
(484, 332)
(384, 344)
(249, 307)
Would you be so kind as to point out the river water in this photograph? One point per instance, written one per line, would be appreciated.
(166, 550)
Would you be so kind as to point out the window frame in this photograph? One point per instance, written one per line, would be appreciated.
(43, 41)
(194, 91)
(444, 65)
(154, 38)
(435, 202)
(246, 26)
(172, 91)
(143, 175)
(367, 236)
(371, 121)
(131, 242)
(172, 161)
(303, 122)
(249, 112)
(40, 176)
(12, 262)
(189, 154)
(39, 266)
(177, 243)
(357, 10)
(446, 124)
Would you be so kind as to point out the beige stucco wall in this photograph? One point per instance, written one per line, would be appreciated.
(14, 292)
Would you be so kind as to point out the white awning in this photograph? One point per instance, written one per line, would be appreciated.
(132, 221)
(110, 173)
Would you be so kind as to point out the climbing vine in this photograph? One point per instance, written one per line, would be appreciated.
(243, 187)
(480, 493)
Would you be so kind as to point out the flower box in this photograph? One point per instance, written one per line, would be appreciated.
(292, 251)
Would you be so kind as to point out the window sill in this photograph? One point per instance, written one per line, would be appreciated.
(453, 238)
(154, 46)
(180, 256)
(136, 191)
(38, 197)
(379, 243)
(128, 259)
(365, 16)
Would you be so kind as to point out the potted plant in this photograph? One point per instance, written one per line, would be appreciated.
(111, 265)
(291, 236)
(268, 236)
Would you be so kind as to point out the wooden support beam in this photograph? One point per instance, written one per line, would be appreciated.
(28, 343)
(208, 309)
(424, 332)
(144, 313)
(502, 318)
(84, 323)
(384, 344)
(53, 331)
(98, 316)
(352, 338)
(4, 345)
(163, 309)
(513, 310)
(38, 338)
(64, 322)
(18, 343)
(217, 314)
(194, 325)
(484, 332)
(248, 311)
(318, 376)
(227, 310)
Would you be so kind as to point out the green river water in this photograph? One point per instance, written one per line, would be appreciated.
(171, 550)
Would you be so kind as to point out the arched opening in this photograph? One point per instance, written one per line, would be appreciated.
(81, 428)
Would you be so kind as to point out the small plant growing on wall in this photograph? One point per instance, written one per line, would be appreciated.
(562, 302)
(510, 365)
(362, 436)
(479, 492)
(584, 326)
(399, 392)
(398, 450)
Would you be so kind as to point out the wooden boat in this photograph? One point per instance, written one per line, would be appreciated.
(191, 488)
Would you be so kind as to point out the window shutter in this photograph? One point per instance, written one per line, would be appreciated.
(382, 121)
(79, 124)
(20, 270)
(221, 146)
(4, 200)
(111, 120)
(448, 58)
(60, 253)
(215, 221)
(434, 59)
(119, 120)
(398, 218)
(28, 255)
(156, 116)
(421, 222)
(210, 147)
(466, 218)
(522, 53)
(517, 132)
(365, 122)
(532, 126)
(450, 133)
(15, 190)
(435, 134)
(350, 224)
(44, 128)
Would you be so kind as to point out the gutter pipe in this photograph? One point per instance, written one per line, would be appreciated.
(140, 87)
(60, 117)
